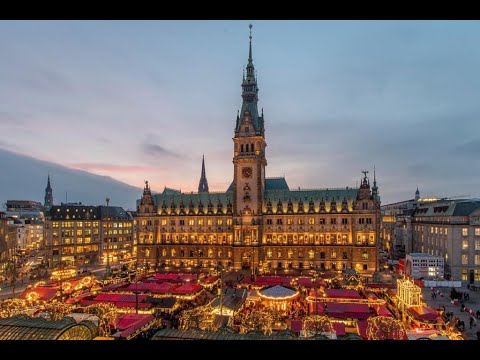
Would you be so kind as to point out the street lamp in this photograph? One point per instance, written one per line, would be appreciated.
(107, 268)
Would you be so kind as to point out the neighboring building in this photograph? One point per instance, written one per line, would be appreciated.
(48, 196)
(23, 205)
(77, 234)
(450, 229)
(259, 222)
(30, 235)
(3, 238)
(396, 225)
(418, 265)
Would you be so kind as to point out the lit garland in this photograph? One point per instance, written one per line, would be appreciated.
(385, 328)
(63, 274)
(107, 314)
(200, 317)
(317, 324)
(57, 310)
(261, 320)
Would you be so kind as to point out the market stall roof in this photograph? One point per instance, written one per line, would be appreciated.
(188, 277)
(342, 293)
(233, 299)
(278, 292)
(44, 293)
(362, 328)
(167, 276)
(296, 326)
(381, 310)
(129, 324)
(164, 288)
(188, 289)
(339, 328)
(422, 312)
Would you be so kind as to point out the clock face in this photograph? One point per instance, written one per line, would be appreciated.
(247, 172)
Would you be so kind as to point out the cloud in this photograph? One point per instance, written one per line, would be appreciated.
(469, 148)
(155, 150)
(111, 168)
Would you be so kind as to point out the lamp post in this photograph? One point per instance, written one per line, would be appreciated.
(107, 268)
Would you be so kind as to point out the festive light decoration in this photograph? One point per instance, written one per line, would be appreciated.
(33, 296)
(57, 310)
(63, 274)
(408, 292)
(314, 324)
(261, 320)
(200, 317)
(385, 328)
(12, 307)
(107, 314)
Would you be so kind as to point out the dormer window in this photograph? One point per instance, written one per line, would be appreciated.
(247, 129)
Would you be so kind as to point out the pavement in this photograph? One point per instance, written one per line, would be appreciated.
(473, 303)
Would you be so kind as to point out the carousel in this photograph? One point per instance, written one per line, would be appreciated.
(278, 297)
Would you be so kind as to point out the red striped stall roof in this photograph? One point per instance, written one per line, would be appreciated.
(339, 329)
(381, 310)
(422, 312)
(362, 329)
(188, 289)
(165, 288)
(44, 293)
(129, 323)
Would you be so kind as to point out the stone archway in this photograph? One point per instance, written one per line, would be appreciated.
(247, 259)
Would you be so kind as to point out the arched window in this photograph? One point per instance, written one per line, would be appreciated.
(241, 148)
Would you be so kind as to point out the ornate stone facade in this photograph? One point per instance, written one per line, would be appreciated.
(259, 222)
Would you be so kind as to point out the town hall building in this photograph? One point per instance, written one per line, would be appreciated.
(259, 222)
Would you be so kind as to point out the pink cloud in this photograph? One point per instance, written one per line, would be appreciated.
(111, 168)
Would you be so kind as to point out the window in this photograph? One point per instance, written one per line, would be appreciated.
(344, 221)
(279, 221)
(344, 255)
(464, 274)
(209, 222)
(477, 275)
(364, 255)
(172, 222)
(365, 267)
(361, 220)
(279, 254)
(200, 221)
(477, 244)
(219, 221)
(477, 259)
(464, 231)
(333, 221)
(289, 221)
(311, 254)
(322, 221)
(164, 222)
(311, 221)
(191, 222)
(446, 231)
(322, 254)
(464, 244)
(333, 255)
(477, 231)
(269, 221)
(229, 222)
(364, 206)
(182, 222)
(464, 259)
(369, 220)
(269, 253)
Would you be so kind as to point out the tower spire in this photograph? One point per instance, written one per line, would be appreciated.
(48, 203)
(250, 48)
(203, 184)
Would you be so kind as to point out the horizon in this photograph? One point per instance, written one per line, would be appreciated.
(144, 100)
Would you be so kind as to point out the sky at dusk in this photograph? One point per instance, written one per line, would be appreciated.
(139, 100)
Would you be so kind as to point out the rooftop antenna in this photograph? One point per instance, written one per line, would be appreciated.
(66, 197)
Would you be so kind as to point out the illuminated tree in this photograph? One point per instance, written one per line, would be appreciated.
(260, 320)
(385, 328)
(107, 315)
(317, 324)
(12, 307)
(57, 310)
(200, 317)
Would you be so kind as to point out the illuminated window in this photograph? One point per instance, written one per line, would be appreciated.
(364, 255)
(464, 231)
(477, 259)
(219, 221)
(477, 231)
(333, 254)
(477, 275)
(191, 222)
(477, 244)
(464, 244)
(311, 221)
(229, 221)
(269, 253)
(321, 221)
(300, 222)
(311, 254)
(279, 254)
(464, 259)
(200, 221)
(289, 221)
(290, 254)
(209, 222)
(446, 231)
(464, 274)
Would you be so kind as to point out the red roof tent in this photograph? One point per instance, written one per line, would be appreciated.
(209, 279)
(401, 265)
(45, 293)
(188, 277)
(296, 326)
(271, 280)
(362, 329)
(164, 288)
(342, 293)
(381, 286)
(129, 304)
(188, 289)
(345, 310)
(308, 283)
(422, 312)
(142, 287)
(114, 298)
(339, 329)
(381, 310)
(114, 287)
(129, 323)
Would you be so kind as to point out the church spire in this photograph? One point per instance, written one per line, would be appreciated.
(203, 184)
(48, 195)
(250, 96)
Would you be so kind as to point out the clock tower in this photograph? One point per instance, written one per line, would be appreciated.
(249, 165)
